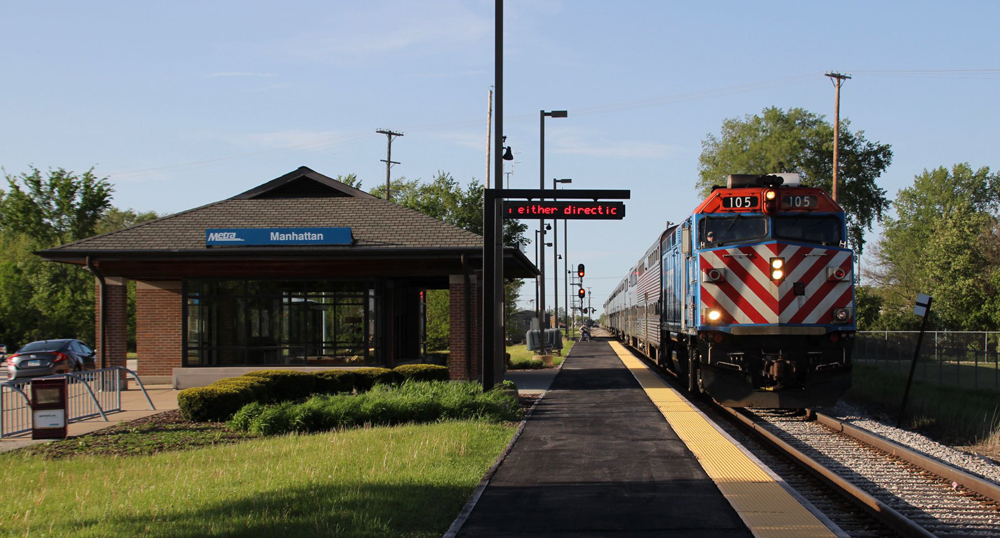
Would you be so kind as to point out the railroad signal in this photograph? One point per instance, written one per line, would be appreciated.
(582, 293)
(580, 271)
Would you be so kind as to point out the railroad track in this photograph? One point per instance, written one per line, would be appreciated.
(910, 493)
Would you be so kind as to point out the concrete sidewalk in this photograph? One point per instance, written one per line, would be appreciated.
(134, 405)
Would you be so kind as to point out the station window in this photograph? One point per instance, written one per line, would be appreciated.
(279, 322)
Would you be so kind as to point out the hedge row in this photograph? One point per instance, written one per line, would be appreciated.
(220, 400)
(383, 405)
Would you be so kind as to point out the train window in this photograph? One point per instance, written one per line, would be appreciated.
(822, 230)
(718, 231)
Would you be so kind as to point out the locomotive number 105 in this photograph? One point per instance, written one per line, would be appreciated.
(799, 202)
(740, 202)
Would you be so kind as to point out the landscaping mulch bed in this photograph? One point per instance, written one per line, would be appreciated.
(161, 432)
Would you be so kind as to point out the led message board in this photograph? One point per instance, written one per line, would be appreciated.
(564, 210)
(277, 236)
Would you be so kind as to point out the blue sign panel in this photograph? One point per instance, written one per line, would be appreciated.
(277, 236)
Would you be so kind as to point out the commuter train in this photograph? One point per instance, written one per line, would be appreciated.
(751, 299)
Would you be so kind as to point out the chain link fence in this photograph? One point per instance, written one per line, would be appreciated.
(965, 359)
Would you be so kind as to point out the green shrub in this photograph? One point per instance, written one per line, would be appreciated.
(334, 381)
(274, 420)
(214, 403)
(527, 364)
(423, 372)
(243, 418)
(366, 378)
(260, 387)
(506, 384)
(287, 385)
(415, 401)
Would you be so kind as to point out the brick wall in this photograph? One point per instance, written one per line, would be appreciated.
(158, 327)
(460, 319)
(117, 322)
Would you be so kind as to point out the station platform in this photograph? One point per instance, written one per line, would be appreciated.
(598, 457)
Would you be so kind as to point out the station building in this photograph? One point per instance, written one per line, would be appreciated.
(301, 272)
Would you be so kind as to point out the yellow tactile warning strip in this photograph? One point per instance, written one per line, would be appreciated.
(766, 508)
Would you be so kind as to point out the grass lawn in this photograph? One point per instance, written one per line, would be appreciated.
(521, 358)
(401, 481)
(969, 375)
(952, 415)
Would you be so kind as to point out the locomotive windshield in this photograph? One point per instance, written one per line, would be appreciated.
(718, 231)
(822, 230)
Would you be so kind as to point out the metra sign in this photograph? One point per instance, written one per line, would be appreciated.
(277, 236)
(564, 210)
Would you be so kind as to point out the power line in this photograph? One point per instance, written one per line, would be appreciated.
(347, 138)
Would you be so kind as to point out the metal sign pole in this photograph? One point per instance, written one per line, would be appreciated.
(923, 308)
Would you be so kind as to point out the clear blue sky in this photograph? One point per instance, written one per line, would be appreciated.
(184, 103)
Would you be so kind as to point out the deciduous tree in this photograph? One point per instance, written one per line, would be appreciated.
(58, 208)
(802, 142)
(943, 242)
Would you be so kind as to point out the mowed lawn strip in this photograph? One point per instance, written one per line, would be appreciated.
(409, 480)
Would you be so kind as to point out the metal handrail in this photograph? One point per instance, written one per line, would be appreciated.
(27, 405)
(135, 376)
(89, 390)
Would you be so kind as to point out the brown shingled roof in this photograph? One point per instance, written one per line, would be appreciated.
(374, 223)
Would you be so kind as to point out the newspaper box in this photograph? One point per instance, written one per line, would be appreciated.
(48, 408)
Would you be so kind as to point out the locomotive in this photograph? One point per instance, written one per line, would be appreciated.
(750, 299)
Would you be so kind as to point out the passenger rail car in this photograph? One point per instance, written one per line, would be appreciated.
(751, 299)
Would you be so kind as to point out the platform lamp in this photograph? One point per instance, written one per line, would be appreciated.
(555, 261)
(541, 183)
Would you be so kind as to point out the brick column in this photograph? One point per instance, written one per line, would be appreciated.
(158, 326)
(116, 318)
(461, 318)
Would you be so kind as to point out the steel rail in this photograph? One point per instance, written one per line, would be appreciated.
(895, 520)
(968, 481)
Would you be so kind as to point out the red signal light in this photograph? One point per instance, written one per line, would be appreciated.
(580, 270)
(582, 293)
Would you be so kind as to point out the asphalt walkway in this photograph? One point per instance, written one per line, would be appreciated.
(596, 458)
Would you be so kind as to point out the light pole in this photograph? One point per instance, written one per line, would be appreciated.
(555, 254)
(541, 186)
(536, 279)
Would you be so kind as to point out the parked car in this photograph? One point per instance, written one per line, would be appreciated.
(49, 357)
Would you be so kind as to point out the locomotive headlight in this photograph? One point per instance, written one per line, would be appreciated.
(770, 195)
(777, 268)
(714, 315)
(842, 315)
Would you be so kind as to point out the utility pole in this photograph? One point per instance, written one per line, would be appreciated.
(388, 157)
(838, 81)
